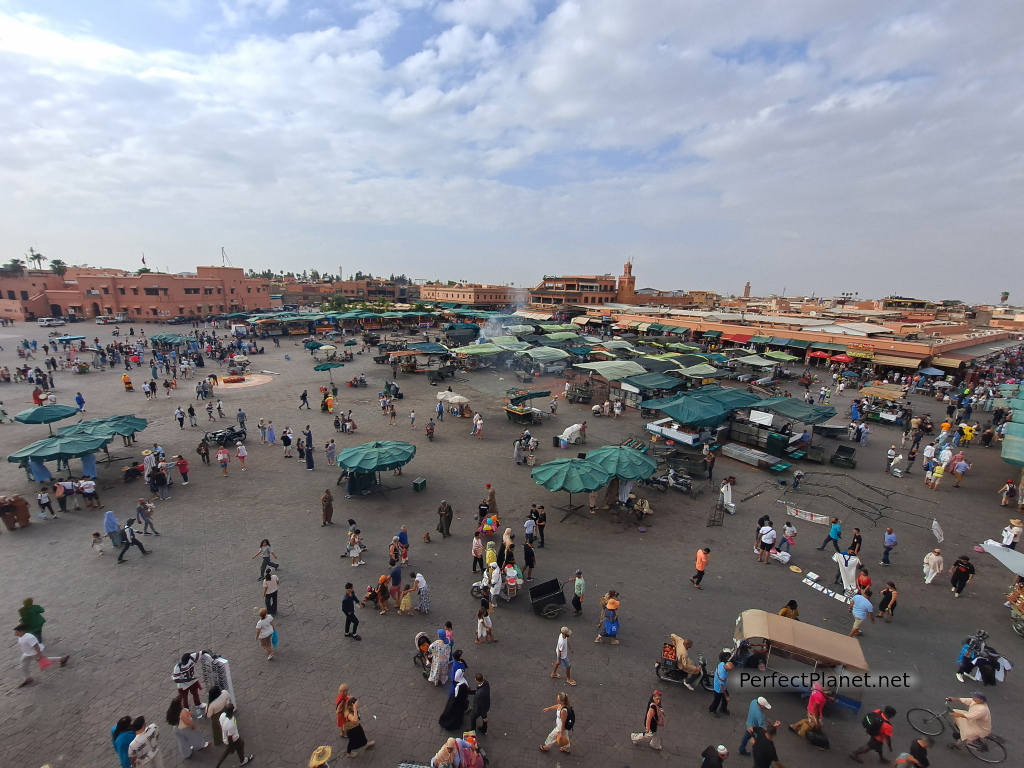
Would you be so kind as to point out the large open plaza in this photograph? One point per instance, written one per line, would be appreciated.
(125, 626)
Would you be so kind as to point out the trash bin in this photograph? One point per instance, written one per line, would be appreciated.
(555, 441)
(419, 483)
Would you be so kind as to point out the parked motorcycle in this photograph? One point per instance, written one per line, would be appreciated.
(227, 437)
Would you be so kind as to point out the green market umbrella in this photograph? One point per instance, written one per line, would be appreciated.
(572, 475)
(376, 456)
(313, 345)
(327, 367)
(46, 414)
(71, 447)
(623, 462)
(108, 426)
(351, 343)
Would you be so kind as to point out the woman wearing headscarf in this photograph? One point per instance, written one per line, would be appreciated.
(445, 756)
(440, 659)
(458, 665)
(458, 701)
(383, 593)
(112, 529)
(492, 502)
(610, 624)
(121, 735)
(326, 509)
(490, 554)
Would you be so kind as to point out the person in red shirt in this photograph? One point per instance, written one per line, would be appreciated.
(880, 735)
(863, 581)
(339, 706)
(815, 708)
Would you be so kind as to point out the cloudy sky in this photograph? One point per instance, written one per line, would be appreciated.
(804, 146)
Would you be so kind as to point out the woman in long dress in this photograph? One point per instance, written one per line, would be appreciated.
(440, 659)
(458, 701)
(189, 737)
(933, 565)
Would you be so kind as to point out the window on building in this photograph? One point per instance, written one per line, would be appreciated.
(152, 291)
(121, 291)
(106, 291)
(135, 291)
(12, 295)
(24, 295)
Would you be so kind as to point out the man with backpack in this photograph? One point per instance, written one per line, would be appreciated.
(878, 725)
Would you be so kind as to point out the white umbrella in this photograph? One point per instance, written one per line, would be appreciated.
(447, 397)
(458, 400)
(327, 348)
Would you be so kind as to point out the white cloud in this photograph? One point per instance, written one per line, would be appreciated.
(772, 140)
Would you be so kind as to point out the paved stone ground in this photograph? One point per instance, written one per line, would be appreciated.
(125, 626)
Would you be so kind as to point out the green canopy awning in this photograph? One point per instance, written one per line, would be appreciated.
(760, 339)
(613, 370)
(703, 371)
(755, 360)
(546, 354)
(572, 475)
(712, 334)
(622, 462)
(377, 456)
(696, 412)
(797, 410)
(480, 350)
(60, 447)
(778, 341)
(677, 329)
(1012, 451)
(520, 399)
(799, 344)
(654, 381)
(781, 356)
(657, 328)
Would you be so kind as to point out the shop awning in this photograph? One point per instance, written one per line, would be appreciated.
(657, 328)
(738, 338)
(898, 362)
(643, 326)
(760, 339)
(677, 329)
(712, 334)
(614, 370)
(947, 362)
(828, 345)
(983, 350)
(799, 343)
(779, 342)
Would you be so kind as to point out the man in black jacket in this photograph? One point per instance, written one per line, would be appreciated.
(482, 702)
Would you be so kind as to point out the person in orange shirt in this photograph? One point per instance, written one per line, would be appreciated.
(703, 555)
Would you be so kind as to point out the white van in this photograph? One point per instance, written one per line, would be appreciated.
(49, 322)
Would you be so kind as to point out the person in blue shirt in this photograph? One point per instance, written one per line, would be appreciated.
(889, 542)
(835, 533)
(861, 609)
(755, 719)
(721, 701)
(121, 735)
(80, 402)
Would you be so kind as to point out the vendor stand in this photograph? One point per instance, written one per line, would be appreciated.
(517, 407)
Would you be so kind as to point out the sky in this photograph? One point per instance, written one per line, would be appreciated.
(809, 147)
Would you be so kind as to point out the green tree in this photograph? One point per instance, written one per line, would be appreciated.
(15, 266)
(58, 267)
(144, 271)
(1004, 297)
(34, 257)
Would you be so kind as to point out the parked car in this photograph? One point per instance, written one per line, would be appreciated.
(179, 320)
(50, 322)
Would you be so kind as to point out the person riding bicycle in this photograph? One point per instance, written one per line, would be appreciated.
(976, 723)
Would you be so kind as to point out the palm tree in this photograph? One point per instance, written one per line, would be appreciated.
(58, 267)
(17, 266)
(1004, 297)
(36, 258)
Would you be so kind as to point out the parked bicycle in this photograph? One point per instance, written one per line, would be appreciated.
(989, 749)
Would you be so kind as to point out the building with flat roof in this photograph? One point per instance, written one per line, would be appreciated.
(88, 292)
(474, 295)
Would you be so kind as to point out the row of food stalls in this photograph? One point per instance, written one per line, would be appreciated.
(864, 351)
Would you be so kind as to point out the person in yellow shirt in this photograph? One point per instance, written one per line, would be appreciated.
(790, 611)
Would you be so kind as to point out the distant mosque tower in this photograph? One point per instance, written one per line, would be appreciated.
(746, 290)
(627, 284)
